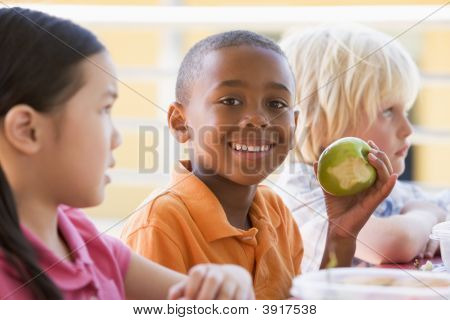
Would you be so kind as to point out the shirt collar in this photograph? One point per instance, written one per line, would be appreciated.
(73, 238)
(66, 274)
(207, 211)
(69, 233)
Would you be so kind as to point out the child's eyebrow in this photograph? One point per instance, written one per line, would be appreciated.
(279, 86)
(111, 93)
(232, 83)
(240, 83)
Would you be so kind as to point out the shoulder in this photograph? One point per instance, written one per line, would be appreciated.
(274, 203)
(281, 218)
(89, 232)
(161, 210)
(108, 253)
(164, 205)
(93, 238)
(269, 195)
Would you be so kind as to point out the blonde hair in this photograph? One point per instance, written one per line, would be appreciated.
(343, 75)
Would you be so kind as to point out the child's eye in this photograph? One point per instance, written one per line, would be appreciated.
(230, 101)
(388, 112)
(277, 104)
(107, 109)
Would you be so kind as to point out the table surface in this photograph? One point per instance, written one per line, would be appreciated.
(416, 264)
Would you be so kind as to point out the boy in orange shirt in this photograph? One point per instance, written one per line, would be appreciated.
(235, 97)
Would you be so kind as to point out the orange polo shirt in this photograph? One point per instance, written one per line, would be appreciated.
(185, 225)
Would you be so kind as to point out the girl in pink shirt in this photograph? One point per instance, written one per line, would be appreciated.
(57, 86)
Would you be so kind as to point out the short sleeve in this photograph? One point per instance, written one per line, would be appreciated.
(153, 244)
(121, 253)
(156, 233)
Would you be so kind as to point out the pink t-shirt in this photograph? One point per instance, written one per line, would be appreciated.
(98, 269)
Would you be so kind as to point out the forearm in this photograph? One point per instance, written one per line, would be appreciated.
(148, 280)
(397, 239)
(339, 251)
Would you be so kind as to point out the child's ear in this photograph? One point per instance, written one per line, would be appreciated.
(20, 127)
(177, 122)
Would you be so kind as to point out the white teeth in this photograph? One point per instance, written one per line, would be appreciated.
(243, 147)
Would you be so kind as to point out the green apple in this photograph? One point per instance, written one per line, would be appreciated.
(343, 169)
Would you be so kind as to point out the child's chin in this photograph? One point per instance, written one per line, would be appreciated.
(246, 180)
(93, 200)
(399, 168)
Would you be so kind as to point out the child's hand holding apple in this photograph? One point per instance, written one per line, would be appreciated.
(346, 171)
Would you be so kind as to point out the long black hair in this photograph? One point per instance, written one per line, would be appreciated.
(39, 66)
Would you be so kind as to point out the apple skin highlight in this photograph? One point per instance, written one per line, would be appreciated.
(343, 168)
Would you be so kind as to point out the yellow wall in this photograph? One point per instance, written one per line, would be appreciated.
(138, 50)
(433, 110)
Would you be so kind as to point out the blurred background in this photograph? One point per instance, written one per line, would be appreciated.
(148, 38)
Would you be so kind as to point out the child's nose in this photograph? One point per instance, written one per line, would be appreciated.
(116, 140)
(255, 120)
(406, 128)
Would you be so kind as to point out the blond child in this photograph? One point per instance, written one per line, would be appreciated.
(355, 81)
(57, 87)
(235, 94)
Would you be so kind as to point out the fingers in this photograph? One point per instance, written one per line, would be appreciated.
(250, 294)
(386, 189)
(431, 248)
(212, 286)
(228, 290)
(386, 178)
(195, 280)
(379, 165)
(237, 285)
(373, 145)
(177, 291)
(381, 155)
(378, 195)
(207, 282)
(243, 293)
(380, 161)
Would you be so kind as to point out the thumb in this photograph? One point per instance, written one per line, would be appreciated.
(386, 189)
(382, 193)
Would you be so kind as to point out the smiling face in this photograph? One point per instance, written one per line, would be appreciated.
(240, 115)
(390, 132)
(81, 138)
